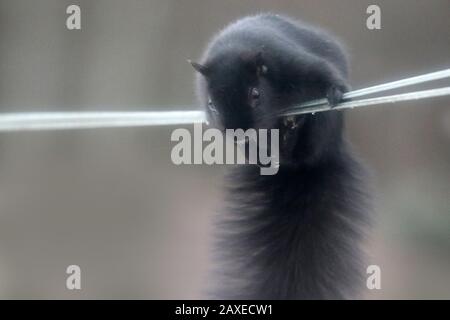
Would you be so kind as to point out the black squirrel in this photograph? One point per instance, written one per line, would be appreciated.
(296, 234)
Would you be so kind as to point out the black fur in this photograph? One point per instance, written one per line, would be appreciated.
(296, 234)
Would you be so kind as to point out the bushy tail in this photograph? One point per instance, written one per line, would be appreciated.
(295, 235)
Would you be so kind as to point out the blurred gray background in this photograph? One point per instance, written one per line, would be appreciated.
(112, 202)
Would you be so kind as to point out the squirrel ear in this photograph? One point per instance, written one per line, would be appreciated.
(199, 68)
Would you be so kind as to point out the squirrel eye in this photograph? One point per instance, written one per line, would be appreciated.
(211, 106)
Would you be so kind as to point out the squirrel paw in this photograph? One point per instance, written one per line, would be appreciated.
(334, 95)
